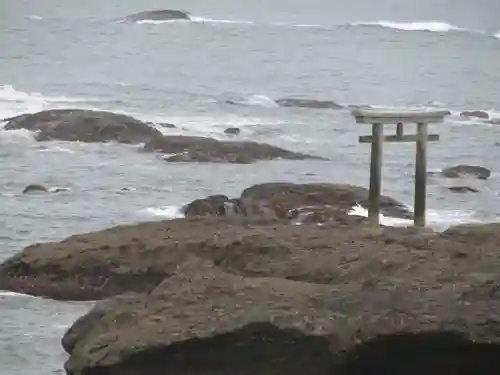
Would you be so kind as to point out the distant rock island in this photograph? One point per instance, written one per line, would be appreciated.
(158, 15)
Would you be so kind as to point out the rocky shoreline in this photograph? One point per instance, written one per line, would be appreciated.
(287, 283)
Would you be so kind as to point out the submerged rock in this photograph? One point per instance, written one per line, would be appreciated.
(462, 189)
(158, 15)
(478, 114)
(202, 149)
(84, 126)
(35, 188)
(233, 131)
(461, 170)
(308, 103)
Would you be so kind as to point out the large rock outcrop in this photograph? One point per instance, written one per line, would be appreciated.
(392, 310)
(259, 297)
(135, 258)
(84, 126)
(202, 149)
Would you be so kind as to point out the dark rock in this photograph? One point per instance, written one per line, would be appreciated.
(84, 126)
(35, 188)
(478, 114)
(466, 170)
(308, 103)
(233, 131)
(158, 15)
(462, 189)
(167, 125)
(431, 319)
(201, 149)
(202, 157)
(173, 144)
(214, 205)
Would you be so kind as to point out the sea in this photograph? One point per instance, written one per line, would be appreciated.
(439, 54)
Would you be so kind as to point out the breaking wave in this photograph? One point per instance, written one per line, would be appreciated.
(167, 212)
(433, 26)
(195, 20)
(422, 26)
(14, 102)
(439, 220)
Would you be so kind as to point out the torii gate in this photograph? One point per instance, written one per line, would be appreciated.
(378, 118)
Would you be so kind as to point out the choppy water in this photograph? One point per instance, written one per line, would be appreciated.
(69, 53)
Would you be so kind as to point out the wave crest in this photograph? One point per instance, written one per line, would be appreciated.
(193, 19)
(433, 26)
(14, 102)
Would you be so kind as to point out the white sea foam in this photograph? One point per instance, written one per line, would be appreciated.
(437, 219)
(35, 17)
(14, 102)
(158, 22)
(255, 100)
(211, 20)
(434, 26)
(497, 35)
(16, 136)
(56, 149)
(4, 293)
(195, 20)
(58, 189)
(308, 25)
(212, 126)
(169, 212)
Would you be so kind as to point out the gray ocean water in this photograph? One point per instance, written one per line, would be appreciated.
(69, 53)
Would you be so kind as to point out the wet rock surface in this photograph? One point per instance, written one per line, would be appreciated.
(202, 149)
(232, 131)
(462, 189)
(35, 188)
(462, 170)
(477, 114)
(83, 126)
